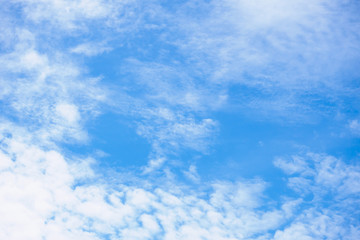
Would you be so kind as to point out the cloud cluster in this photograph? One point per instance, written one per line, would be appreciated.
(331, 189)
(48, 195)
(44, 92)
(42, 194)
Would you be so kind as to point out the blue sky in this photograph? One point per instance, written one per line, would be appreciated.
(229, 119)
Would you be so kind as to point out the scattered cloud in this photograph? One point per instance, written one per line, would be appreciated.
(291, 54)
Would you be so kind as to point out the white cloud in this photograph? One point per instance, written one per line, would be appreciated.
(41, 90)
(256, 30)
(296, 165)
(63, 13)
(39, 195)
(178, 130)
(172, 135)
(282, 55)
(90, 49)
(155, 163)
(334, 189)
(68, 111)
(172, 86)
(321, 174)
(314, 224)
(354, 126)
(192, 174)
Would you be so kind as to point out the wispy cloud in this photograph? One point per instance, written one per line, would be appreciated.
(170, 107)
(287, 54)
(73, 14)
(90, 49)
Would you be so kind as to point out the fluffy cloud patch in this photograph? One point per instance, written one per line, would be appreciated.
(41, 196)
(333, 189)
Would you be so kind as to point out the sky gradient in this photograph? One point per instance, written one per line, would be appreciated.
(189, 120)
